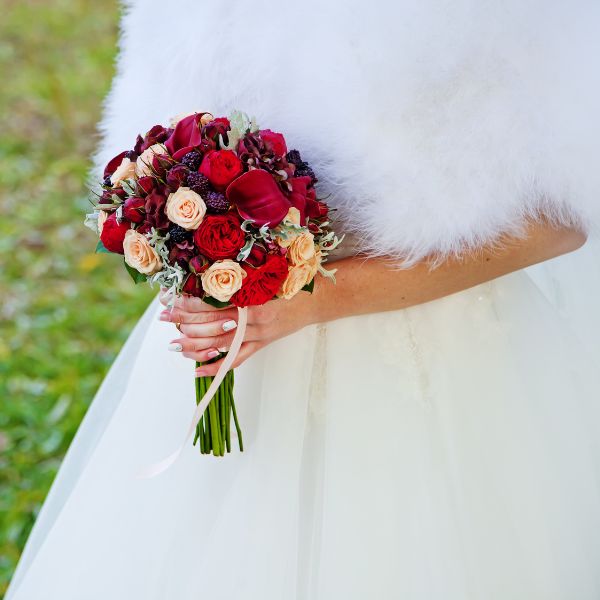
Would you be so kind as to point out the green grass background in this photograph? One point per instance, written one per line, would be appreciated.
(64, 311)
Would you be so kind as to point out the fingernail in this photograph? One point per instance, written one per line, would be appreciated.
(175, 347)
(212, 353)
(222, 350)
(165, 315)
(229, 325)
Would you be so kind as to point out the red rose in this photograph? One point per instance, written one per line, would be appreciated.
(220, 236)
(258, 198)
(186, 133)
(133, 209)
(260, 285)
(113, 234)
(274, 141)
(221, 167)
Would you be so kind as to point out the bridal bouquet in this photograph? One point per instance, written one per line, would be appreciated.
(219, 209)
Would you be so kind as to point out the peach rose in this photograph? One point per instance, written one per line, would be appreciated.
(298, 277)
(302, 249)
(102, 216)
(126, 170)
(185, 208)
(292, 217)
(143, 164)
(139, 254)
(222, 279)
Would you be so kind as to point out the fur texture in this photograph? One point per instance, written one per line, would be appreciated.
(433, 125)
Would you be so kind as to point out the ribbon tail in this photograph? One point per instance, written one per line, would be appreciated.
(236, 344)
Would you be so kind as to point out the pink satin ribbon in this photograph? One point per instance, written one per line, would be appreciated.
(236, 344)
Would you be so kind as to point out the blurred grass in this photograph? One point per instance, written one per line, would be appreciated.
(64, 311)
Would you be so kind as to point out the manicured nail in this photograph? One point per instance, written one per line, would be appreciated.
(222, 350)
(229, 325)
(212, 353)
(175, 347)
(165, 315)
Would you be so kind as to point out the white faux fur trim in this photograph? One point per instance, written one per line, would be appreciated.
(434, 125)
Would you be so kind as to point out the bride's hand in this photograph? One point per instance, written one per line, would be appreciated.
(206, 331)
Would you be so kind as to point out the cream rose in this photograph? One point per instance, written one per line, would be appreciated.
(143, 164)
(293, 218)
(185, 208)
(102, 216)
(222, 279)
(126, 170)
(139, 254)
(298, 277)
(302, 249)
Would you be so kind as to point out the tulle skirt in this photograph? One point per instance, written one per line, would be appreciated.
(448, 451)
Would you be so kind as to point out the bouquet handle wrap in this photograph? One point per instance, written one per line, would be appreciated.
(226, 365)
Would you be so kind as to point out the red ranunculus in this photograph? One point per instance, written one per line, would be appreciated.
(186, 133)
(274, 141)
(221, 167)
(134, 209)
(220, 236)
(258, 198)
(113, 234)
(260, 285)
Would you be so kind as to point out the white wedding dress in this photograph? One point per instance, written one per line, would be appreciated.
(450, 451)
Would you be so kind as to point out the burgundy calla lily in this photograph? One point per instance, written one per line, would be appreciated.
(186, 133)
(258, 198)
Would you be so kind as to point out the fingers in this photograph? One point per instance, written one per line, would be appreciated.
(177, 315)
(209, 329)
(246, 351)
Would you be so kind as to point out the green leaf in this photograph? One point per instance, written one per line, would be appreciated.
(135, 275)
(214, 302)
(100, 247)
(309, 287)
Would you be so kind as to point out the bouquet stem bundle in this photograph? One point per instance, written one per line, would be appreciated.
(213, 432)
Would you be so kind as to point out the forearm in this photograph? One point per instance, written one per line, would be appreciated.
(366, 285)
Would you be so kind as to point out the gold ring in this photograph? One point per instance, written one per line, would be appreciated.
(178, 325)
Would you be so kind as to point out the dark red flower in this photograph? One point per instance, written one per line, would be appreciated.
(257, 256)
(274, 141)
(258, 198)
(176, 177)
(198, 264)
(215, 128)
(146, 184)
(221, 167)
(193, 286)
(113, 233)
(113, 164)
(220, 236)
(260, 285)
(155, 209)
(182, 253)
(186, 133)
(134, 209)
(303, 197)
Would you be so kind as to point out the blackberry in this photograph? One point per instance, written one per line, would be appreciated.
(191, 160)
(294, 157)
(198, 183)
(178, 234)
(107, 181)
(216, 202)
